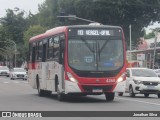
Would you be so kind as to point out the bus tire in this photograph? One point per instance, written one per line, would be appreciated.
(109, 96)
(40, 92)
(48, 93)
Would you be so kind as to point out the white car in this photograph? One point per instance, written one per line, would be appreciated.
(142, 81)
(4, 71)
(157, 72)
(18, 73)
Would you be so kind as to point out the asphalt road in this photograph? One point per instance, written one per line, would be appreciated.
(18, 95)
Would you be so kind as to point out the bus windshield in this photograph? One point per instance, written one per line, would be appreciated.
(95, 54)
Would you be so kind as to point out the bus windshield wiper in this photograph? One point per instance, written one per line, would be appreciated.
(100, 49)
(86, 43)
(94, 51)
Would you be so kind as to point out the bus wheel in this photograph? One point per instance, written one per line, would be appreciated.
(48, 93)
(120, 94)
(60, 96)
(40, 92)
(109, 96)
(158, 95)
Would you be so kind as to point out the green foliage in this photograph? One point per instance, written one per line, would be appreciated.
(156, 30)
(48, 12)
(2, 36)
(14, 25)
(32, 31)
(137, 13)
(149, 35)
(152, 34)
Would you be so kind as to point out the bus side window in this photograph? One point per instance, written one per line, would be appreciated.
(39, 50)
(62, 47)
(29, 55)
(56, 48)
(33, 53)
(44, 48)
(50, 49)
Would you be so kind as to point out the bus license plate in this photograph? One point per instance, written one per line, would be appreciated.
(97, 90)
(150, 87)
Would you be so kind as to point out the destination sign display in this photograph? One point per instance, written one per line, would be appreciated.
(95, 32)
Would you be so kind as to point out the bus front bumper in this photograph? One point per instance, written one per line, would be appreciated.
(72, 87)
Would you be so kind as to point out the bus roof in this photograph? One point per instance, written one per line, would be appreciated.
(48, 33)
(93, 26)
(61, 29)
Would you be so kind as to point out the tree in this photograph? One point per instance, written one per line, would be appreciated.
(152, 34)
(33, 31)
(13, 26)
(138, 13)
(149, 35)
(2, 36)
(48, 12)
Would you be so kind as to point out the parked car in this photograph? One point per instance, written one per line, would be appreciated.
(4, 71)
(157, 72)
(142, 81)
(18, 73)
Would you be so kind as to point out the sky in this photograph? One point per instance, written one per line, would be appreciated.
(26, 5)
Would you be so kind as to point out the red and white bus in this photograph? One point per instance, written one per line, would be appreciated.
(78, 60)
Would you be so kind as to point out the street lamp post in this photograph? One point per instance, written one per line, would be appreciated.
(130, 43)
(15, 50)
(154, 52)
(75, 17)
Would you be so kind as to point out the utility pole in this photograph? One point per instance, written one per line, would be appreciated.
(154, 52)
(130, 43)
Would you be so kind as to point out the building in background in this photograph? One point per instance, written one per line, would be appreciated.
(144, 53)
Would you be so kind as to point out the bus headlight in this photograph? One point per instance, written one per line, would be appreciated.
(121, 78)
(71, 78)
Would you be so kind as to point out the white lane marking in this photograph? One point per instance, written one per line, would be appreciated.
(25, 82)
(5, 82)
(139, 101)
(16, 82)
